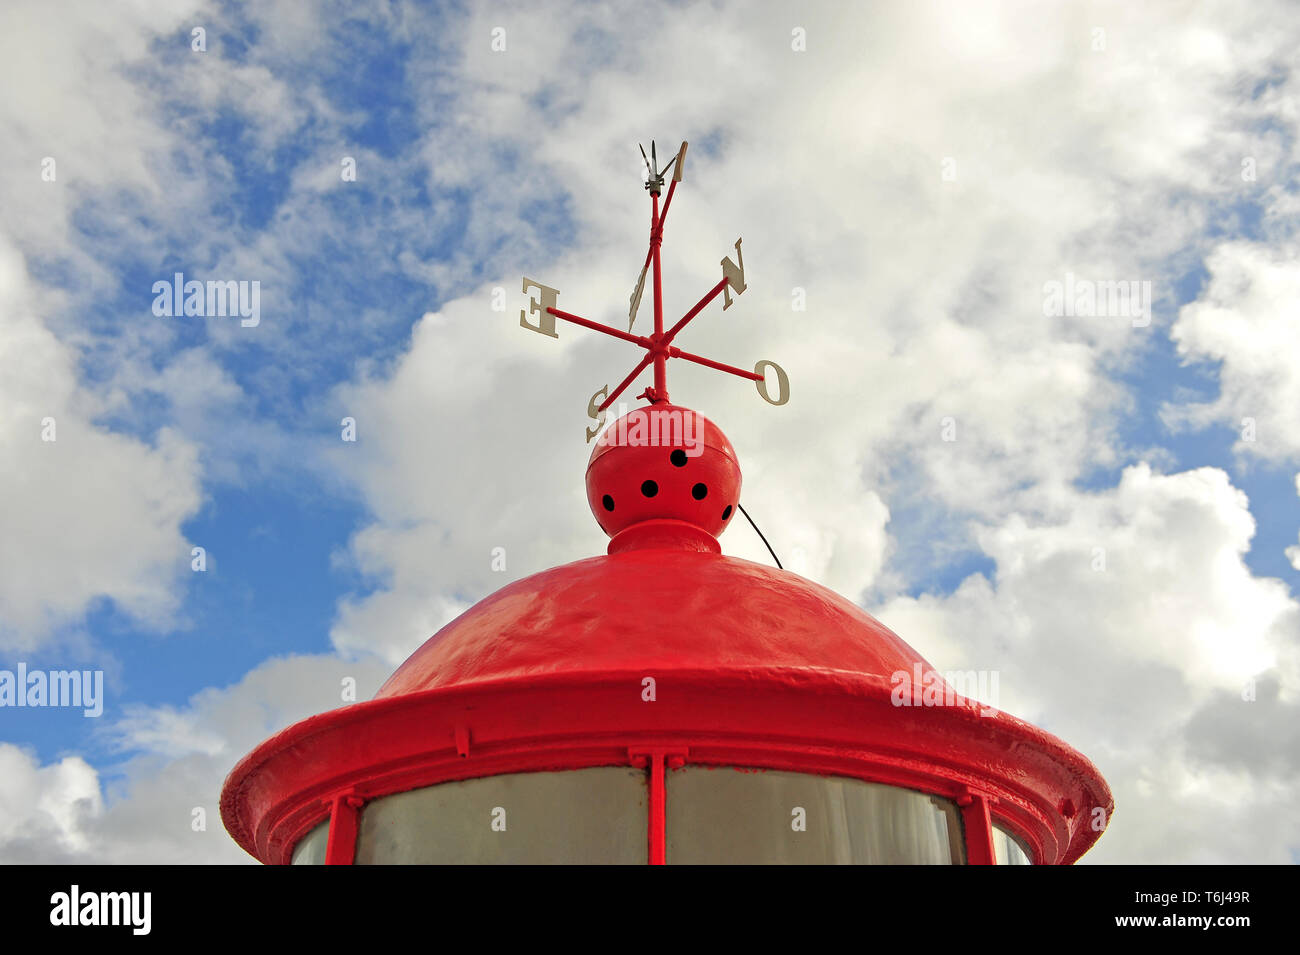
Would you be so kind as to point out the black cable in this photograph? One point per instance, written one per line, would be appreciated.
(761, 537)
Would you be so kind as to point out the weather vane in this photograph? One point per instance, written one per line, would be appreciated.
(659, 346)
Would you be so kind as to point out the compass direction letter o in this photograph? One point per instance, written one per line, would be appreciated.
(782, 382)
(545, 320)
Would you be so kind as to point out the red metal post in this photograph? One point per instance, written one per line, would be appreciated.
(640, 366)
(667, 202)
(658, 834)
(710, 363)
(713, 293)
(656, 238)
(597, 326)
(978, 825)
(342, 843)
(656, 816)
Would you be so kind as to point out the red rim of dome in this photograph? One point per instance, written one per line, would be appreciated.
(1035, 786)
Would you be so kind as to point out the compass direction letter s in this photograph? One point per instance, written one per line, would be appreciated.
(545, 320)
(595, 414)
(735, 276)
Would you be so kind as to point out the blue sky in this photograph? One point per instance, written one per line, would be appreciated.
(476, 166)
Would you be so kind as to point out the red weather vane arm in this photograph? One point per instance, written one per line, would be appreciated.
(659, 346)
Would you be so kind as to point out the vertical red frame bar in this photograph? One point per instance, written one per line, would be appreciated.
(657, 830)
(654, 762)
(341, 847)
(656, 238)
(977, 824)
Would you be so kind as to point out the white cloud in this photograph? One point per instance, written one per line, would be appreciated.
(45, 806)
(178, 759)
(924, 296)
(1245, 321)
(1115, 626)
(100, 512)
(924, 301)
(71, 100)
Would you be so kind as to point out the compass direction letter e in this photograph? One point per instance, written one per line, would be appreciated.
(735, 276)
(545, 320)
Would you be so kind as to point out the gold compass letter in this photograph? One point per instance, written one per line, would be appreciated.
(735, 276)
(545, 320)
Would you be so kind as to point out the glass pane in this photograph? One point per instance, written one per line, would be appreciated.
(1007, 848)
(581, 816)
(310, 849)
(749, 817)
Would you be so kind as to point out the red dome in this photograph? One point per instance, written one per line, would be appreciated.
(747, 665)
(656, 611)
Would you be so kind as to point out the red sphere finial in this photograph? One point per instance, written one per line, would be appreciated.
(663, 476)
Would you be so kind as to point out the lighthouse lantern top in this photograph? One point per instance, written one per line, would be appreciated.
(663, 702)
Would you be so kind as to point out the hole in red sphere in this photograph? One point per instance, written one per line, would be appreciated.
(649, 488)
(608, 502)
(678, 458)
(700, 491)
(726, 512)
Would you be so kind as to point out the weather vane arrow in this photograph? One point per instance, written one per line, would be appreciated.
(659, 346)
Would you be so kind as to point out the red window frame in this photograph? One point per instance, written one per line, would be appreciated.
(974, 806)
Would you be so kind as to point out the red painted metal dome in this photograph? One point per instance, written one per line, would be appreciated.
(744, 665)
(656, 611)
(665, 600)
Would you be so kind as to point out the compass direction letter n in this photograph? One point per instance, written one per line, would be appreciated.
(735, 276)
(545, 320)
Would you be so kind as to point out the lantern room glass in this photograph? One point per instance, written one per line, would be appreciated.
(713, 815)
(1007, 849)
(765, 817)
(582, 816)
(310, 849)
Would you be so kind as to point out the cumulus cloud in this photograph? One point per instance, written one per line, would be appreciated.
(924, 293)
(1130, 627)
(149, 807)
(75, 102)
(1244, 321)
(44, 809)
(100, 512)
(915, 176)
